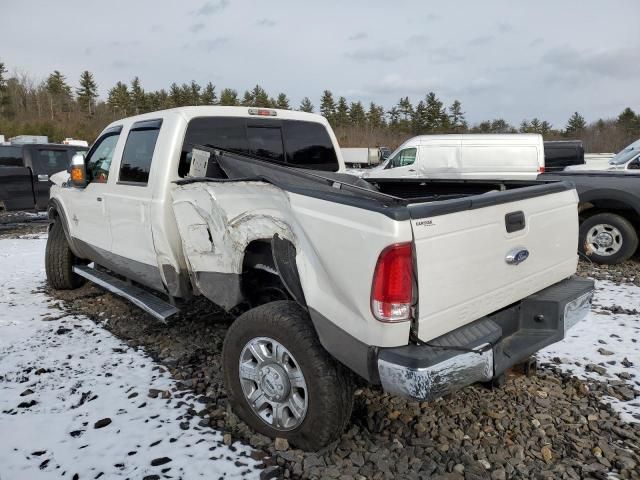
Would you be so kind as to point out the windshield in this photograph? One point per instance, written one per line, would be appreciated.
(624, 156)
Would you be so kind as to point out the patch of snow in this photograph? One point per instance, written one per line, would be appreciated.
(609, 340)
(80, 374)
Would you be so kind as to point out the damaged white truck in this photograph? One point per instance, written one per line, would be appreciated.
(422, 287)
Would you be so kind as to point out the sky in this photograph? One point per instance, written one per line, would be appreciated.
(509, 59)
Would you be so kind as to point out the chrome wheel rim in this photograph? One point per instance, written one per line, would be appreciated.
(273, 383)
(604, 239)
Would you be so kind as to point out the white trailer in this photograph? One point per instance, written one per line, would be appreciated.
(362, 157)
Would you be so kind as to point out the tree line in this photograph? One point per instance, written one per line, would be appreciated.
(53, 107)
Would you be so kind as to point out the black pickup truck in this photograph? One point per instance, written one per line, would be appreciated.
(609, 212)
(25, 171)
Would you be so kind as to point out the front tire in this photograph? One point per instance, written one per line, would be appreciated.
(59, 261)
(280, 379)
(608, 238)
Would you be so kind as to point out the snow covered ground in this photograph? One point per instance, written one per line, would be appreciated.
(74, 399)
(608, 340)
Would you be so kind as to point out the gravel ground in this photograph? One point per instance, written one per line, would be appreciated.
(547, 426)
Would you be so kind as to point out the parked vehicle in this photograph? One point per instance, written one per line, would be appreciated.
(20, 139)
(473, 156)
(593, 161)
(627, 159)
(609, 212)
(249, 207)
(561, 154)
(25, 170)
(75, 142)
(364, 157)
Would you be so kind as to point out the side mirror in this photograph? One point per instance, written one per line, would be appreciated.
(78, 171)
(634, 164)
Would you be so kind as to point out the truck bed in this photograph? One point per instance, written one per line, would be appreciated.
(475, 227)
(400, 199)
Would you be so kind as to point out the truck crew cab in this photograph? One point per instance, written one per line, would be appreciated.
(422, 291)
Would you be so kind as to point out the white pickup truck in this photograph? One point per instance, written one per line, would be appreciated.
(422, 288)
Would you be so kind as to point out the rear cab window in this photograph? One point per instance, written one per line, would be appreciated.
(11, 156)
(51, 161)
(138, 152)
(294, 142)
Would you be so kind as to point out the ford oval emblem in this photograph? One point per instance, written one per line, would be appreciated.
(517, 256)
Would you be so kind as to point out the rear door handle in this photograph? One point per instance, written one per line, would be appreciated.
(43, 178)
(99, 199)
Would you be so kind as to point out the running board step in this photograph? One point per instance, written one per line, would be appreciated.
(143, 299)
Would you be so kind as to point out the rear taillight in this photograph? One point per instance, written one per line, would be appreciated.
(392, 289)
(541, 170)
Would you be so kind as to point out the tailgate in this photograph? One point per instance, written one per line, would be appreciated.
(462, 249)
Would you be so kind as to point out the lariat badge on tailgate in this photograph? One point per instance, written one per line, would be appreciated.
(517, 256)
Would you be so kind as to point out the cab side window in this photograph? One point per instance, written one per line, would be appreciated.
(99, 158)
(138, 152)
(403, 158)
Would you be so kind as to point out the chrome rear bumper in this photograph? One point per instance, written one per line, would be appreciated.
(482, 350)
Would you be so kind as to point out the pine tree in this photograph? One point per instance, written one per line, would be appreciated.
(327, 106)
(229, 97)
(341, 115)
(260, 97)
(575, 125)
(394, 118)
(137, 97)
(193, 93)
(629, 122)
(357, 115)
(545, 128)
(208, 96)
(87, 92)
(499, 125)
(375, 116)
(435, 117)
(59, 92)
(525, 126)
(119, 100)
(247, 99)
(456, 117)
(282, 102)
(406, 115)
(419, 118)
(306, 105)
(175, 95)
(534, 125)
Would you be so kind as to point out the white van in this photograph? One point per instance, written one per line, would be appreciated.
(469, 156)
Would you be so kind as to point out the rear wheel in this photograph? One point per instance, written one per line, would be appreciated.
(59, 261)
(608, 238)
(281, 380)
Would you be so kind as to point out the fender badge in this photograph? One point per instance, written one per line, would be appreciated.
(517, 256)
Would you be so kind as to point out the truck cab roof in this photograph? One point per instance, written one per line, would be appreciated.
(189, 113)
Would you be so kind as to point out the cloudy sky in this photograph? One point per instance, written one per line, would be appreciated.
(499, 58)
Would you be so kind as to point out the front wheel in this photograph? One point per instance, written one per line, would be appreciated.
(281, 380)
(59, 260)
(608, 238)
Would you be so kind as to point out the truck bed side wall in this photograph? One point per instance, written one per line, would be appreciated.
(335, 244)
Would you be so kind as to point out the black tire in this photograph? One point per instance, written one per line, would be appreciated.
(329, 385)
(627, 240)
(59, 261)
